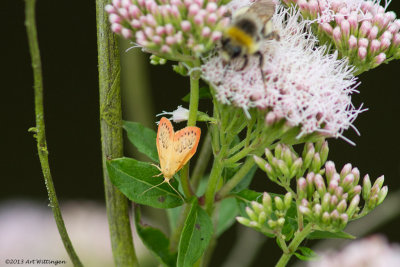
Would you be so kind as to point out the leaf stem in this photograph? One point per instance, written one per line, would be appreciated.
(299, 236)
(249, 163)
(111, 138)
(202, 161)
(40, 131)
(215, 175)
(193, 108)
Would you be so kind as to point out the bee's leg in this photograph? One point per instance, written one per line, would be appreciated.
(261, 64)
(246, 61)
(273, 35)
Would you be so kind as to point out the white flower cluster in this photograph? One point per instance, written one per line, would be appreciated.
(301, 82)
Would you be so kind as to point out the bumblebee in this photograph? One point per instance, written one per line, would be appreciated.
(249, 26)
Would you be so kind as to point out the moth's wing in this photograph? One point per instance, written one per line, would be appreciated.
(185, 146)
(165, 140)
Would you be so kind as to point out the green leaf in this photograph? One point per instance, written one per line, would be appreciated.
(227, 212)
(204, 92)
(144, 139)
(134, 177)
(327, 235)
(245, 182)
(155, 241)
(196, 235)
(306, 254)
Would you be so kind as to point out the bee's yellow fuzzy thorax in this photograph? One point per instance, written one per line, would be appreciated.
(242, 38)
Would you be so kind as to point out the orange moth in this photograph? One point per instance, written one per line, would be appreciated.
(174, 149)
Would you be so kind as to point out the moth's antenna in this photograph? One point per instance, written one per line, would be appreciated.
(165, 181)
(174, 189)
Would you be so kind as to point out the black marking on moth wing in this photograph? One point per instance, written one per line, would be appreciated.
(163, 137)
(187, 144)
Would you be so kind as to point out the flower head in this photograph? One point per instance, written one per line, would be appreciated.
(169, 27)
(361, 30)
(374, 251)
(333, 201)
(301, 83)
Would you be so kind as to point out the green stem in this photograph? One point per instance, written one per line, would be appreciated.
(193, 108)
(249, 163)
(202, 161)
(40, 131)
(298, 238)
(111, 138)
(215, 175)
(179, 227)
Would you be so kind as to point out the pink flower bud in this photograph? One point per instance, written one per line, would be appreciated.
(114, 18)
(169, 29)
(126, 3)
(375, 46)
(380, 58)
(199, 2)
(363, 42)
(396, 39)
(116, 3)
(365, 28)
(115, 27)
(385, 43)
(134, 11)
(206, 31)
(222, 11)
(313, 7)
(149, 31)
(393, 28)
(126, 33)
(193, 10)
(212, 18)
(198, 19)
(302, 4)
(337, 34)
(165, 49)
(160, 30)
(170, 40)
(379, 19)
(373, 32)
(157, 39)
(211, 7)
(150, 20)
(185, 25)
(353, 21)
(339, 18)
(326, 27)
(345, 170)
(216, 35)
(352, 42)
(109, 9)
(142, 3)
(387, 34)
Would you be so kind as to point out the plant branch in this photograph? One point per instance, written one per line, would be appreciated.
(40, 131)
(193, 108)
(202, 161)
(111, 138)
(298, 238)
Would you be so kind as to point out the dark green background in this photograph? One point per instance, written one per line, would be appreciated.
(67, 36)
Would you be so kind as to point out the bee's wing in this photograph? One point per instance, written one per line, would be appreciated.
(263, 10)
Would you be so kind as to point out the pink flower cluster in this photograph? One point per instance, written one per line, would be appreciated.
(361, 30)
(186, 27)
(301, 83)
(332, 204)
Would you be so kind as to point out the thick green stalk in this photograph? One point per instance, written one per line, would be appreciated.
(111, 138)
(249, 163)
(40, 131)
(215, 175)
(193, 108)
(202, 161)
(298, 238)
